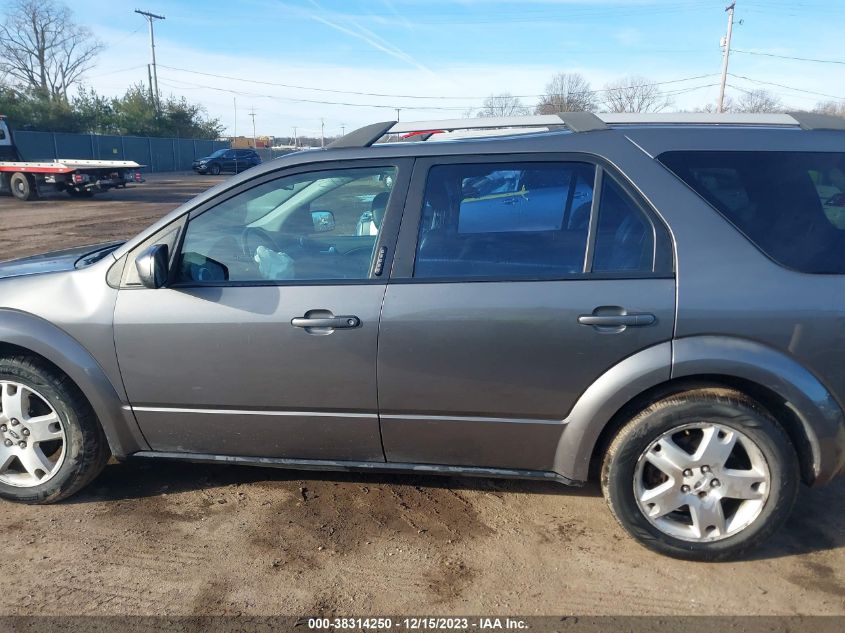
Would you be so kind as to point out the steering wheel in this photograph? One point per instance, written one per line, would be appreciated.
(253, 237)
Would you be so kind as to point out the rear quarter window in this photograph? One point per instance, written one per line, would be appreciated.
(791, 205)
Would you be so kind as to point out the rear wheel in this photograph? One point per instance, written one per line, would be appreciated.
(51, 444)
(704, 475)
(23, 186)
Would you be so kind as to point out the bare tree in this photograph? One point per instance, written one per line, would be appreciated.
(837, 108)
(712, 108)
(567, 92)
(756, 101)
(504, 104)
(634, 94)
(41, 46)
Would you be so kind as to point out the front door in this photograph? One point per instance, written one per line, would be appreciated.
(263, 343)
(516, 286)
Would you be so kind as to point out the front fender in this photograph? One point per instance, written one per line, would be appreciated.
(57, 346)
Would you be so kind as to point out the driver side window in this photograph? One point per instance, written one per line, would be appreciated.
(308, 227)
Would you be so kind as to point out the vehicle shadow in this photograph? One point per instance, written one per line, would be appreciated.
(814, 526)
(140, 478)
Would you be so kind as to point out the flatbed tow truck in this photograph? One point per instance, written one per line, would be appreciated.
(79, 178)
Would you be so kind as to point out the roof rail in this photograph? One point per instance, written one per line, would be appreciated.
(697, 118)
(367, 136)
(587, 122)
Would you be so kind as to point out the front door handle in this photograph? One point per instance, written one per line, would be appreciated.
(617, 320)
(334, 322)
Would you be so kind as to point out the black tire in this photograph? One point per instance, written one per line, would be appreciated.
(214, 169)
(23, 186)
(726, 408)
(86, 447)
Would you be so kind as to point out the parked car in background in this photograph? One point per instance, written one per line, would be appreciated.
(230, 160)
(646, 301)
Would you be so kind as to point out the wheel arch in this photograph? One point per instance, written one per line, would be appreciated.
(23, 333)
(809, 413)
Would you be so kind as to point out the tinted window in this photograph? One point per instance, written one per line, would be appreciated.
(316, 226)
(790, 204)
(505, 220)
(624, 236)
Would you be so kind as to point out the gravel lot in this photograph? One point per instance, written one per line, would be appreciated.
(180, 539)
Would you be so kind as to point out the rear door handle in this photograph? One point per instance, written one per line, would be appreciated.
(617, 320)
(335, 322)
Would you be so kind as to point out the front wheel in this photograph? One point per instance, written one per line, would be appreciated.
(214, 170)
(703, 475)
(51, 444)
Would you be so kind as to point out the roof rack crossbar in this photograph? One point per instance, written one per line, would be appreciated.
(818, 121)
(363, 136)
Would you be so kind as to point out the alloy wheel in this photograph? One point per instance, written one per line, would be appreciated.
(702, 482)
(32, 437)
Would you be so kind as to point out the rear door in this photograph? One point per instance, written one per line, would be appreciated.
(517, 283)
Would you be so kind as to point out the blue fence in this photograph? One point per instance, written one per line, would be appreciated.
(157, 154)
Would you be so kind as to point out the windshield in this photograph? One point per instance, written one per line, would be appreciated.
(218, 153)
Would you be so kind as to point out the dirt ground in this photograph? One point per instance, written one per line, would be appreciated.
(182, 539)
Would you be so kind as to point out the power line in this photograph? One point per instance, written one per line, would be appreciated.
(299, 100)
(113, 72)
(406, 96)
(800, 59)
(771, 83)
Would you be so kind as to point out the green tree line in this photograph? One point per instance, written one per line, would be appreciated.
(133, 114)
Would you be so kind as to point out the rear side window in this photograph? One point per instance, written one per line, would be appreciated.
(533, 220)
(624, 237)
(791, 205)
(505, 220)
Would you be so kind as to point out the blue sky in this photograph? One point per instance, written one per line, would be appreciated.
(453, 52)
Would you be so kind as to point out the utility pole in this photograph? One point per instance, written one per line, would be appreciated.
(322, 132)
(343, 129)
(154, 87)
(254, 139)
(235, 125)
(727, 45)
(150, 78)
(295, 139)
(398, 110)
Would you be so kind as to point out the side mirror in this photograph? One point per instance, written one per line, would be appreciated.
(323, 221)
(151, 265)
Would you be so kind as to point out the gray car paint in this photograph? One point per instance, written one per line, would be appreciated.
(222, 370)
(485, 373)
(730, 298)
(56, 261)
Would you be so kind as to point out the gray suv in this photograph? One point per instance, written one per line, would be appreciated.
(655, 302)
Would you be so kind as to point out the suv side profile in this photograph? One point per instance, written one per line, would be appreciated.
(234, 160)
(652, 301)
